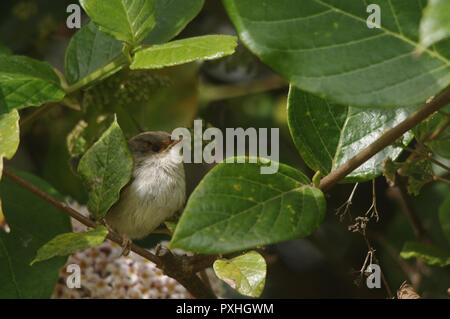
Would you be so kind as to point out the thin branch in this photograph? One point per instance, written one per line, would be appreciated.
(173, 266)
(373, 208)
(344, 209)
(389, 137)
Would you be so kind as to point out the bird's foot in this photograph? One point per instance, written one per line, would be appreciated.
(126, 245)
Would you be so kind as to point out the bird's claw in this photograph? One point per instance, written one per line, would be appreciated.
(126, 245)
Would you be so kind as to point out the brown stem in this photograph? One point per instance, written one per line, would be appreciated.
(389, 137)
(173, 266)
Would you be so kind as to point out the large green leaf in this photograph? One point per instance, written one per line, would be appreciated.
(33, 222)
(105, 168)
(444, 217)
(26, 82)
(327, 134)
(207, 47)
(235, 207)
(435, 24)
(69, 243)
(89, 50)
(325, 47)
(245, 273)
(431, 255)
(126, 20)
(9, 136)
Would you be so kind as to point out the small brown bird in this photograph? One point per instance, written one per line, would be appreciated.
(156, 190)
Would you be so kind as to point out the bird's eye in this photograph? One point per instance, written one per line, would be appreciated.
(155, 148)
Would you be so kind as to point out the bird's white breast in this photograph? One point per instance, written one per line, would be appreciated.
(156, 192)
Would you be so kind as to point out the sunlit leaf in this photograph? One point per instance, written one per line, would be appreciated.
(126, 20)
(9, 135)
(245, 273)
(207, 47)
(68, 243)
(431, 255)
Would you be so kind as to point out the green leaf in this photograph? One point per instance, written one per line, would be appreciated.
(26, 82)
(90, 50)
(419, 171)
(235, 207)
(325, 47)
(171, 17)
(9, 136)
(444, 217)
(106, 168)
(206, 47)
(327, 135)
(431, 255)
(9, 133)
(245, 273)
(69, 243)
(126, 20)
(435, 24)
(33, 222)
